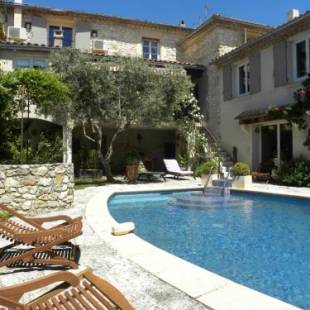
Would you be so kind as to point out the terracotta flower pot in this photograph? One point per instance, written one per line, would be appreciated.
(132, 173)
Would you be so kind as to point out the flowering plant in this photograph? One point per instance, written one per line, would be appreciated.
(297, 113)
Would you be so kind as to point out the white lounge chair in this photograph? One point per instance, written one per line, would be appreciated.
(173, 168)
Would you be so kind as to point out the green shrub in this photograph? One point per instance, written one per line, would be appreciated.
(296, 173)
(208, 167)
(132, 158)
(183, 159)
(48, 150)
(240, 169)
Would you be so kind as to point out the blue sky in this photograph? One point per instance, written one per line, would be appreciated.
(192, 11)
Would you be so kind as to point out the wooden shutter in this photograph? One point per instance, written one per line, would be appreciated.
(227, 82)
(255, 73)
(39, 30)
(83, 30)
(289, 61)
(280, 64)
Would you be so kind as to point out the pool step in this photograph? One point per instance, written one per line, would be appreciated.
(217, 191)
(202, 201)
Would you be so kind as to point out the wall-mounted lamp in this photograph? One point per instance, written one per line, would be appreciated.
(28, 26)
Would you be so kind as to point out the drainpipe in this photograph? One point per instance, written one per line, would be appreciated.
(245, 34)
(18, 16)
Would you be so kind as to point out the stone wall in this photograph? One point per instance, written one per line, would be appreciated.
(34, 187)
(212, 45)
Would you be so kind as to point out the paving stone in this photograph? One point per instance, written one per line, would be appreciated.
(143, 290)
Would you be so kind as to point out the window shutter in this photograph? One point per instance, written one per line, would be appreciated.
(227, 82)
(289, 61)
(39, 21)
(82, 37)
(280, 64)
(39, 30)
(255, 73)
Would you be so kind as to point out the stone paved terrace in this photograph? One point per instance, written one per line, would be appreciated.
(143, 290)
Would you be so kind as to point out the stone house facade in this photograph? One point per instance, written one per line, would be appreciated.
(259, 75)
(211, 40)
(32, 32)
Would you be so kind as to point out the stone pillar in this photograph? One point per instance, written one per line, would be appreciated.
(67, 144)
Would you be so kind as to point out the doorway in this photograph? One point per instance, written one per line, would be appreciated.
(276, 142)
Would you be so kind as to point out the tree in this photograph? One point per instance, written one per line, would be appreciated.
(121, 92)
(27, 88)
(6, 118)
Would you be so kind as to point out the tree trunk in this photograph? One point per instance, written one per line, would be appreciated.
(104, 162)
(107, 158)
(22, 136)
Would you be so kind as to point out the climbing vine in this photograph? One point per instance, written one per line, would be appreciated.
(297, 113)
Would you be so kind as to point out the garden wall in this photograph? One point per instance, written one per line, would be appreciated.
(34, 187)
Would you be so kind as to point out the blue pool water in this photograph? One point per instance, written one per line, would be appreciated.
(261, 241)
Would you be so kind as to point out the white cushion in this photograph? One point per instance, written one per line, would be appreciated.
(123, 229)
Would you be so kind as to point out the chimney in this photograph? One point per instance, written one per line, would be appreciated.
(292, 14)
(182, 24)
(18, 16)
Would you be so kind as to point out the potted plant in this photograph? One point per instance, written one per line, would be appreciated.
(207, 171)
(242, 178)
(132, 164)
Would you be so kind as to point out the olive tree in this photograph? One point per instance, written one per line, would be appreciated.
(120, 92)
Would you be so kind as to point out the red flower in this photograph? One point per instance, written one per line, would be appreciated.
(307, 142)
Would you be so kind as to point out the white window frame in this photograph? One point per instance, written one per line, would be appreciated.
(307, 40)
(150, 47)
(31, 63)
(246, 65)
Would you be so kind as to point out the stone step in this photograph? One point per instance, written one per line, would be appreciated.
(226, 168)
(216, 191)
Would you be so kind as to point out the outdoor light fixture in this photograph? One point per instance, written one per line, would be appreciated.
(94, 34)
(28, 26)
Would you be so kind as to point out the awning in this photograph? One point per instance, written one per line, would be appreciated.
(257, 116)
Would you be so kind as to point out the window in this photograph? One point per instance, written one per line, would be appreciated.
(94, 34)
(66, 33)
(301, 59)
(150, 49)
(244, 79)
(31, 63)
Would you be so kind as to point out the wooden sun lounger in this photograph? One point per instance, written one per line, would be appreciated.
(45, 246)
(80, 291)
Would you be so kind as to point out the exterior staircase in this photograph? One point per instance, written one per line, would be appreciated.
(225, 162)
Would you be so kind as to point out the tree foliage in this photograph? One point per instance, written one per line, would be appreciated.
(24, 90)
(6, 117)
(120, 92)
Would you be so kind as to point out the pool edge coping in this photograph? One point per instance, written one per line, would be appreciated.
(219, 290)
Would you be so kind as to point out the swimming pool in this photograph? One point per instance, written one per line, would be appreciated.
(261, 241)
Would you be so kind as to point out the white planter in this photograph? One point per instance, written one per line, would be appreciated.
(242, 182)
(206, 179)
